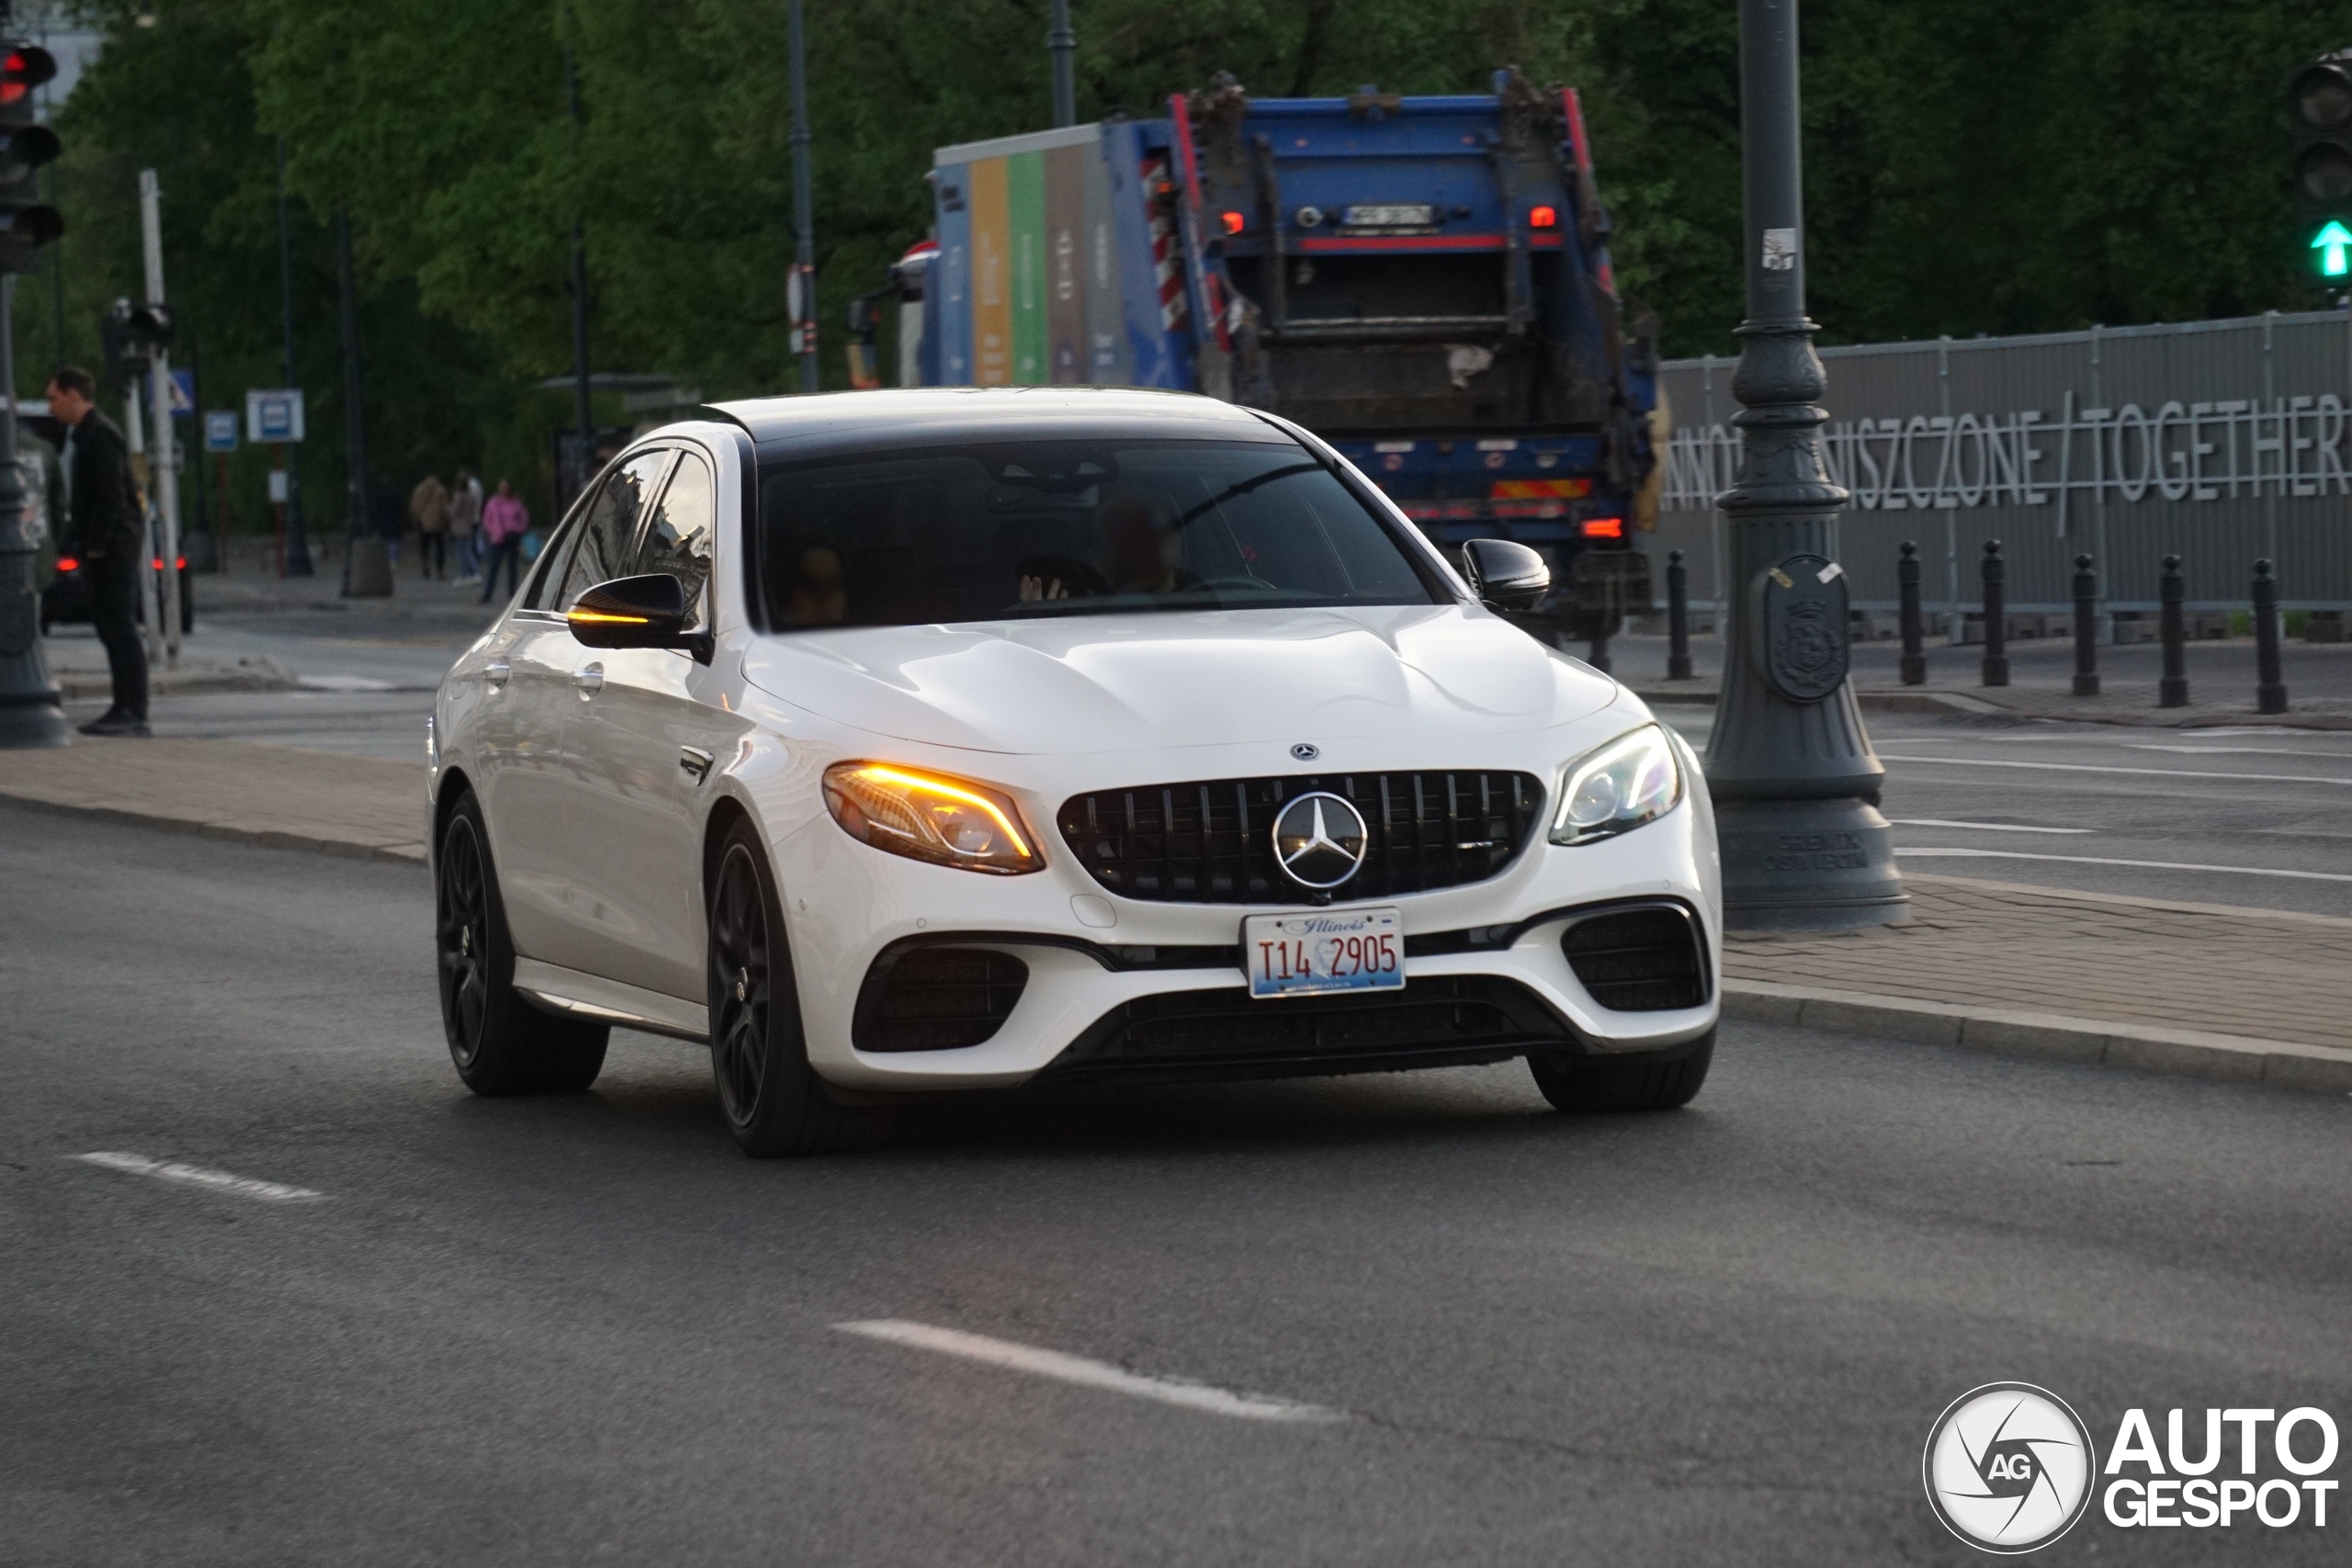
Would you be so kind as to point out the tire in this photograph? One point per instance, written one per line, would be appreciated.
(773, 1099)
(1599, 1086)
(501, 1043)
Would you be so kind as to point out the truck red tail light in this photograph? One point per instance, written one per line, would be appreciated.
(1233, 222)
(1604, 528)
(1542, 217)
(68, 563)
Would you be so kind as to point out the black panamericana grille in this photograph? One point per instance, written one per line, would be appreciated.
(937, 999)
(1640, 960)
(1210, 841)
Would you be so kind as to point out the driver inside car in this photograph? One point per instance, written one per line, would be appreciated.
(1139, 536)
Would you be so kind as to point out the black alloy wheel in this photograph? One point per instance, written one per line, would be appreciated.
(738, 978)
(773, 1102)
(461, 938)
(501, 1043)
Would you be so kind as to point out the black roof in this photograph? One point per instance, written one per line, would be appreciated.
(830, 422)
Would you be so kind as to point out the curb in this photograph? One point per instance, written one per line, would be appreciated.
(2148, 1048)
(270, 838)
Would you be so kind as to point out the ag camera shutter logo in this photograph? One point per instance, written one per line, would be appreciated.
(2008, 1467)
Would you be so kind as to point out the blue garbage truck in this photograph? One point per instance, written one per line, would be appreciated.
(1424, 282)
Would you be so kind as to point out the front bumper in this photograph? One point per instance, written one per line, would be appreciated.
(1096, 962)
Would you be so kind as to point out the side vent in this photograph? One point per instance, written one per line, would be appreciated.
(1640, 960)
(938, 999)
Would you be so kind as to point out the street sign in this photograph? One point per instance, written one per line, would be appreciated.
(221, 430)
(183, 392)
(274, 415)
(2332, 243)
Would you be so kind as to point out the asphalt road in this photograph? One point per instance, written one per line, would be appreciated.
(2256, 816)
(583, 1329)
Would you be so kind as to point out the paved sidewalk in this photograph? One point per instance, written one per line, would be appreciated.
(2221, 682)
(2213, 992)
(234, 789)
(2208, 989)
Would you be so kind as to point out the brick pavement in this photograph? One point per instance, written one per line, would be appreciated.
(2270, 975)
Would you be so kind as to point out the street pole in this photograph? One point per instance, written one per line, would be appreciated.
(804, 210)
(1789, 764)
(134, 432)
(367, 565)
(583, 411)
(294, 553)
(1062, 44)
(159, 381)
(30, 714)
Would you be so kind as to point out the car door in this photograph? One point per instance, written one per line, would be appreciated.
(640, 752)
(526, 674)
(550, 673)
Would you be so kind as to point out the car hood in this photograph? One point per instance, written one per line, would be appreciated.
(1088, 683)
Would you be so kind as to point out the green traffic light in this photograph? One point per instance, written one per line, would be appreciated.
(2334, 244)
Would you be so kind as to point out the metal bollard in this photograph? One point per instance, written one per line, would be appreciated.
(2270, 691)
(2085, 628)
(1677, 617)
(1914, 656)
(1996, 616)
(2172, 691)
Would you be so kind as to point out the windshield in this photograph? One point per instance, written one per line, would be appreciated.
(1068, 527)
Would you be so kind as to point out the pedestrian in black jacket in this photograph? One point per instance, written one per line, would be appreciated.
(104, 530)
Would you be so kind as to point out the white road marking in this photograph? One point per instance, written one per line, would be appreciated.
(2144, 865)
(2095, 768)
(198, 1176)
(1089, 1374)
(2237, 751)
(343, 684)
(1982, 826)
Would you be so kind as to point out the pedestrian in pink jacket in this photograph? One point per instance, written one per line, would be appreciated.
(504, 520)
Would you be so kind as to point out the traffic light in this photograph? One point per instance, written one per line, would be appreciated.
(131, 336)
(27, 223)
(2319, 101)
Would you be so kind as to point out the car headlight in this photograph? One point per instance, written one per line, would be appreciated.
(1632, 780)
(928, 816)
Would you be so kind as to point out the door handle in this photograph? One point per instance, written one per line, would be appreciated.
(590, 681)
(495, 674)
(695, 762)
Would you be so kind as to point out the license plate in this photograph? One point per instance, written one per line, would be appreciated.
(1394, 215)
(1325, 951)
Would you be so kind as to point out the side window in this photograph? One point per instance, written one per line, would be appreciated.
(547, 572)
(609, 527)
(677, 536)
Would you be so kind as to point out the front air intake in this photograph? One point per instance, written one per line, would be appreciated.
(937, 999)
(1645, 959)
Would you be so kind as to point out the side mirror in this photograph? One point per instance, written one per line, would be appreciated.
(632, 611)
(1504, 575)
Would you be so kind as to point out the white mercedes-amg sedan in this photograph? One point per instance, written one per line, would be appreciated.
(896, 742)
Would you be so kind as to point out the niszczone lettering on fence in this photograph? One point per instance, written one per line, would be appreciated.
(2204, 451)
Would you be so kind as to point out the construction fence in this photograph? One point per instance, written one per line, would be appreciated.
(2221, 442)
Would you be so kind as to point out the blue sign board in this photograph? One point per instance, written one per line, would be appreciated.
(221, 430)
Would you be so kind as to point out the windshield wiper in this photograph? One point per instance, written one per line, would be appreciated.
(1244, 487)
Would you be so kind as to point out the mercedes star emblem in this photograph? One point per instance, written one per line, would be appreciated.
(1307, 751)
(1321, 840)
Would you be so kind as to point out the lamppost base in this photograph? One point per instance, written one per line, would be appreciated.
(1816, 865)
(2270, 699)
(368, 570)
(33, 721)
(2086, 685)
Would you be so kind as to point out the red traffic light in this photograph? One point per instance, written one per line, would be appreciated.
(24, 68)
